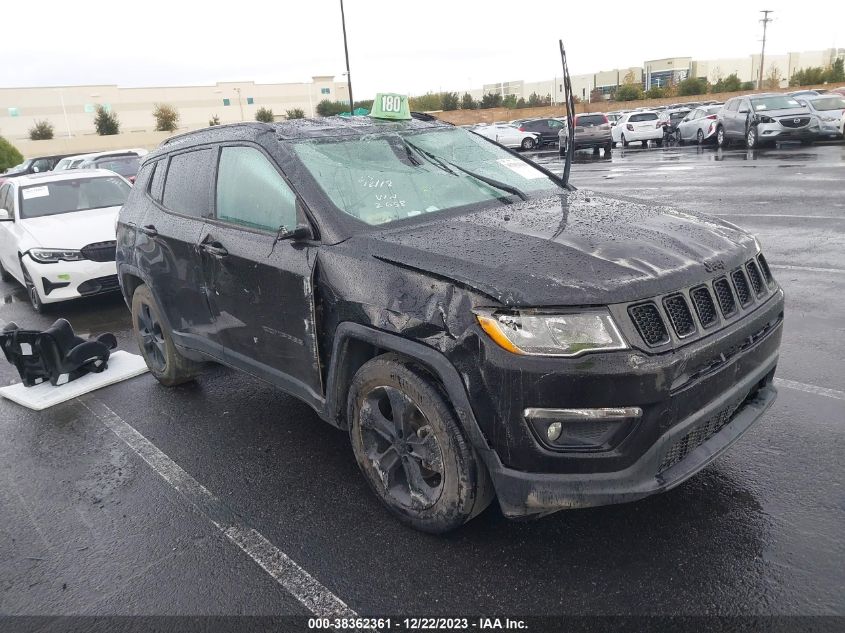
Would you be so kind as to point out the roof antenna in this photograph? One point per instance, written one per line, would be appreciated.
(570, 118)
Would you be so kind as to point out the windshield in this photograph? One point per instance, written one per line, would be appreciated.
(123, 165)
(829, 103)
(19, 168)
(66, 196)
(381, 178)
(777, 102)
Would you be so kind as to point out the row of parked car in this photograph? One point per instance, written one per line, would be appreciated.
(125, 162)
(755, 120)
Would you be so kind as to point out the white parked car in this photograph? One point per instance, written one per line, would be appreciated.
(57, 233)
(73, 162)
(699, 126)
(639, 126)
(509, 135)
(830, 108)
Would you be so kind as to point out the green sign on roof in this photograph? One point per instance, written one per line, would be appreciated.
(388, 105)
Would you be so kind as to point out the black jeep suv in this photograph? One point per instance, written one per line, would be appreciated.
(478, 328)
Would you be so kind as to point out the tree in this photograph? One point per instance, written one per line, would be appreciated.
(629, 92)
(41, 131)
(747, 85)
(731, 83)
(166, 116)
(596, 95)
(836, 73)
(265, 115)
(509, 101)
(215, 120)
(449, 100)
(491, 100)
(772, 80)
(9, 155)
(692, 86)
(655, 93)
(105, 122)
(629, 79)
(295, 113)
(425, 103)
(808, 76)
(536, 101)
(366, 104)
(327, 107)
(468, 103)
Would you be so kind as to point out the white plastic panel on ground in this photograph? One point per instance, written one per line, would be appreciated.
(122, 365)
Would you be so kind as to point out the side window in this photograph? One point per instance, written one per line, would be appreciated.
(555, 124)
(156, 188)
(41, 165)
(4, 197)
(251, 192)
(190, 179)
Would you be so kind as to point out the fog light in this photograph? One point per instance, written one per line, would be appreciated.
(554, 431)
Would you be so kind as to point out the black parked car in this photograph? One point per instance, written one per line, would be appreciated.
(479, 329)
(36, 165)
(548, 129)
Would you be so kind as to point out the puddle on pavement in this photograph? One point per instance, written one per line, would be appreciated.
(16, 296)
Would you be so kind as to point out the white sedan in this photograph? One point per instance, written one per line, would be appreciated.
(508, 135)
(57, 233)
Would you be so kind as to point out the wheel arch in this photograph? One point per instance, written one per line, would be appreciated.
(354, 344)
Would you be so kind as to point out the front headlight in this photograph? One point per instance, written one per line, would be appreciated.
(762, 118)
(53, 255)
(539, 334)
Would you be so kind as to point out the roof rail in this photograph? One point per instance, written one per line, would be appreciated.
(247, 124)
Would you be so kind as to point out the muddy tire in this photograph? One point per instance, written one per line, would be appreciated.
(528, 143)
(721, 138)
(168, 366)
(752, 140)
(410, 447)
(699, 137)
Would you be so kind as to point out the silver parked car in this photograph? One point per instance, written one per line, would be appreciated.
(592, 130)
(830, 109)
(699, 125)
(763, 119)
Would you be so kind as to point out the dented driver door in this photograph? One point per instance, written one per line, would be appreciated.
(258, 288)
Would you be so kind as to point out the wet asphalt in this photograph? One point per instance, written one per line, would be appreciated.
(88, 527)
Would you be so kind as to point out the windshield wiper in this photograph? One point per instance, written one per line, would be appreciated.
(570, 119)
(445, 165)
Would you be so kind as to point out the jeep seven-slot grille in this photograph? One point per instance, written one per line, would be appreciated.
(764, 266)
(649, 324)
(679, 314)
(730, 293)
(704, 306)
(725, 297)
(755, 277)
(743, 292)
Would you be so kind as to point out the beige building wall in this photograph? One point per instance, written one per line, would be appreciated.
(71, 108)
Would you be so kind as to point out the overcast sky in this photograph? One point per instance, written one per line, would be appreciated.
(410, 47)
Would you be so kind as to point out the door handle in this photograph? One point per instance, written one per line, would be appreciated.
(214, 248)
(149, 230)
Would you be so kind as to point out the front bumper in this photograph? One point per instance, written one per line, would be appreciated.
(777, 131)
(63, 281)
(678, 454)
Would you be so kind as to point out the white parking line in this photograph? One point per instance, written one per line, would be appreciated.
(811, 269)
(819, 391)
(778, 215)
(294, 579)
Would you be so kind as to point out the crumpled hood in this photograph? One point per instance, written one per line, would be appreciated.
(71, 230)
(578, 248)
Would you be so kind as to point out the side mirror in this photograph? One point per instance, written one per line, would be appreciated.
(301, 232)
(5, 216)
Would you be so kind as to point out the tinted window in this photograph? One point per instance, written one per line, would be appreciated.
(829, 103)
(251, 192)
(590, 119)
(4, 198)
(126, 166)
(66, 196)
(189, 182)
(157, 181)
(645, 116)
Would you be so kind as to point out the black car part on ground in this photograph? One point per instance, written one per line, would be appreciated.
(56, 354)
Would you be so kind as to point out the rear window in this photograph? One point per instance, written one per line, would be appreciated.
(589, 119)
(829, 103)
(643, 116)
(189, 183)
(677, 116)
(66, 196)
(126, 166)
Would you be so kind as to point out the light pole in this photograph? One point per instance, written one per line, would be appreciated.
(64, 110)
(766, 19)
(346, 52)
